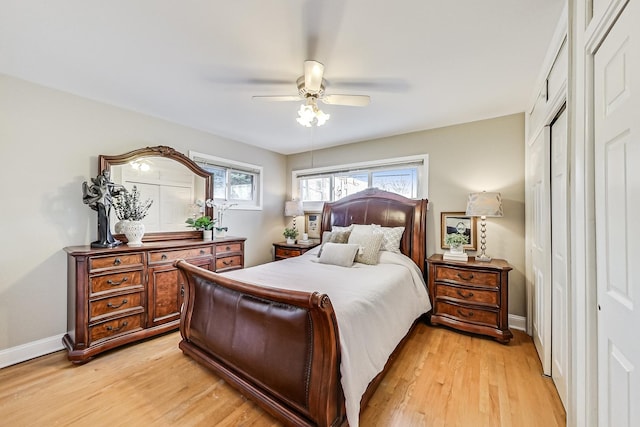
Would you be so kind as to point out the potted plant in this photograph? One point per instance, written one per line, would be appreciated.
(130, 210)
(204, 224)
(220, 208)
(456, 241)
(290, 234)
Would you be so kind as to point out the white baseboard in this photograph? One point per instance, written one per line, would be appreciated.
(30, 350)
(518, 322)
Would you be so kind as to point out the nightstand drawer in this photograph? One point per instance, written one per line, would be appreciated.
(468, 295)
(468, 276)
(287, 253)
(466, 314)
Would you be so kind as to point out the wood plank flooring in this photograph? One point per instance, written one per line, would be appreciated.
(441, 378)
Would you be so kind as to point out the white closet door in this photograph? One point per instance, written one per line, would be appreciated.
(617, 199)
(540, 238)
(559, 257)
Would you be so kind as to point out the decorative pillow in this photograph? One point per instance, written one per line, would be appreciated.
(341, 254)
(369, 246)
(392, 237)
(333, 237)
(343, 229)
(363, 228)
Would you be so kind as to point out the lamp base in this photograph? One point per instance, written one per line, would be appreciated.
(483, 258)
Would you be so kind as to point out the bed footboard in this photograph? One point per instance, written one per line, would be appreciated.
(279, 347)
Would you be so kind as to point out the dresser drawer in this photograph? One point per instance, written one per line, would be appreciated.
(228, 247)
(172, 255)
(115, 327)
(287, 253)
(114, 305)
(228, 263)
(116, 281)
(468, 276)
(115, 261)
(473, 296)
(467, 314)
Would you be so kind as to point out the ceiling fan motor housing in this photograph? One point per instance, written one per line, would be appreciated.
(303, 92)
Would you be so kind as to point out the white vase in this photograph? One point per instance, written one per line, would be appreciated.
(458, 249)
(290, 241)
(220, 233)
(134, 231)
(118, 228)
(207, 234)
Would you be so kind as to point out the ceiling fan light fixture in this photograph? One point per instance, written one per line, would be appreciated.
(309, 113)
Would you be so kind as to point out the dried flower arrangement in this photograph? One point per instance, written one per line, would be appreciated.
(128, 205)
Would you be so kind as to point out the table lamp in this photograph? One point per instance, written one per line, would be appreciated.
(483, 205)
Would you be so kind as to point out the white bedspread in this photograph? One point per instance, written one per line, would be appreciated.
(375, 306)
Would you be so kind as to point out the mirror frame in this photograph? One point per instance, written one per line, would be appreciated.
(105, 162)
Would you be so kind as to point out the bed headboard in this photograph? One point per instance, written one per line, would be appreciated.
(373, 206)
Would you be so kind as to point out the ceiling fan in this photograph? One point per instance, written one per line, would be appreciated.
(311, 89)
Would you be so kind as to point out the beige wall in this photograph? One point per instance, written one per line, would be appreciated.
(484, 155)
(49, 145)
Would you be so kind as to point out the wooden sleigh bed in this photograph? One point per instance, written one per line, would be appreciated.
(282, 347)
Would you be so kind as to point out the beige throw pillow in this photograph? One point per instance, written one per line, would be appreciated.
(341, 254)
(369, 246)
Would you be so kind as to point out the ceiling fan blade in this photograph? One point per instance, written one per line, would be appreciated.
(351, 100)
(313, 71)
(277, 98)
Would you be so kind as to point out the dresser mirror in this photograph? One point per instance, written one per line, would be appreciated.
(169, 178)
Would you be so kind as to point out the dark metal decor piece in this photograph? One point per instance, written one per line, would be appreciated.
(99, 197)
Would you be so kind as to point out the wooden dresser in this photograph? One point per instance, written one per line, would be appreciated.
(471, 296)
(125, 294)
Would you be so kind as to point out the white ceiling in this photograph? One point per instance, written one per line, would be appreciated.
(425, 63)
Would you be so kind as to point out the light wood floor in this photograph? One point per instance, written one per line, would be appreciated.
(441, 378)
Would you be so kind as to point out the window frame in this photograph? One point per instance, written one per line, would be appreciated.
(230, 166)
(399, 162)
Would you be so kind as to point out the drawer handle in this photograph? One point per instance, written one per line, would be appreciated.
(116, 282)
(202, 252)
(464, 295)
(463, 277)
(227, 262)
(286, 252)
(463, 314)
(112, 329)
(228, 248)
(163, 257)
(117, 261)
(124, 301)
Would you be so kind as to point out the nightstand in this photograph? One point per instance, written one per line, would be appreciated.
(283, 250)
(471, 296)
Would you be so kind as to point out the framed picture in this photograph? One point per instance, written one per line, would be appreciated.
(458, 222)
(312, 224)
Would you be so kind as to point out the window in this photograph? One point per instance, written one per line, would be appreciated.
(407, 176)
(233, 182)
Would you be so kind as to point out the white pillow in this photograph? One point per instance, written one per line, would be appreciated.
(369, 246)
(363, 228)
(342, 229)
(341, 254)
(334, 237)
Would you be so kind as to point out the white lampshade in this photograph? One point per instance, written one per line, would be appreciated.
(484, 204)
(293, 208)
